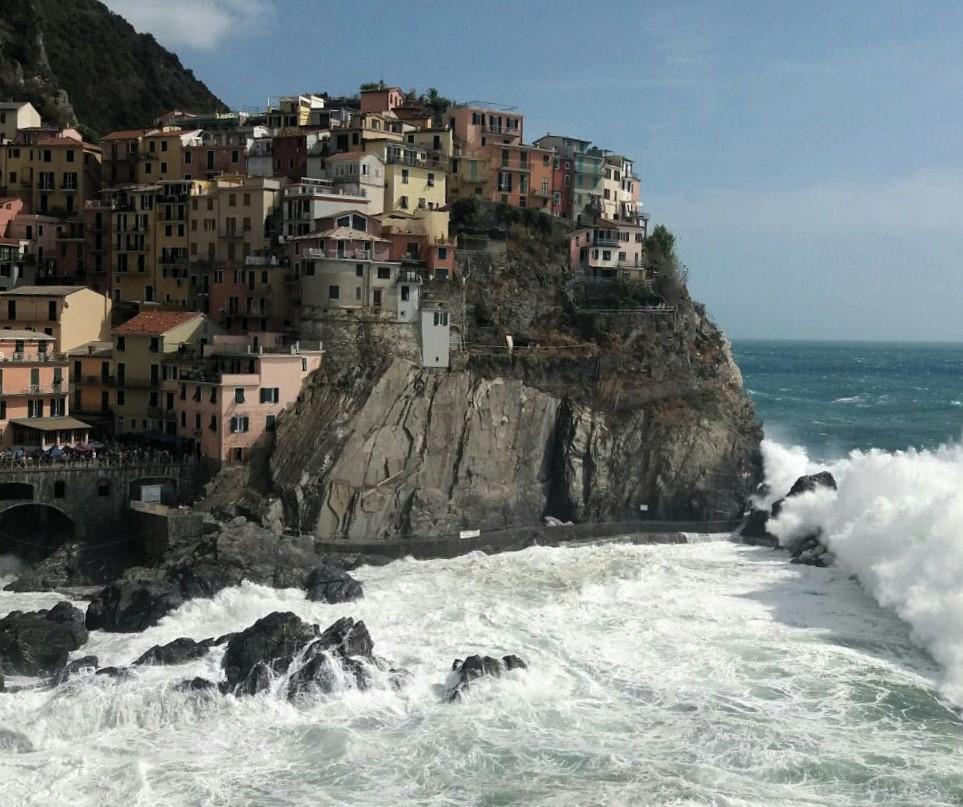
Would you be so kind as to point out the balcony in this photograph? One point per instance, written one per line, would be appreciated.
(606, 242)
(231, 235)
(494, 128)
(36, 389)
(160, 413)
(139, 383)
(33, 358)
(97, 380)
(313, 252)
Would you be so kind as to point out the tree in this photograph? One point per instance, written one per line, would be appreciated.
(661, 264)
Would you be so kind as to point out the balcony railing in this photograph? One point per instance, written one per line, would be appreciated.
(494, 128)
(97, 380)
(32, 358)
(139, 383)
(36, 389)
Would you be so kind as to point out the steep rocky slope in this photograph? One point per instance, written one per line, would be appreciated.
(609, 412)
(76, 61)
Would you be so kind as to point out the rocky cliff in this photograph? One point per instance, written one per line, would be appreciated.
(593, 414)
(78, 62)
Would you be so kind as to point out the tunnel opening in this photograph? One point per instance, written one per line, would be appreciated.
(33, 532)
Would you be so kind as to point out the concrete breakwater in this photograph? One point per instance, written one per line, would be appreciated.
(515, 538)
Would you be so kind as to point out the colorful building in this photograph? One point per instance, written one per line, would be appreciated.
(72, 315)
(412, 180)
(17, 115)
(229, 392)
(145, 352)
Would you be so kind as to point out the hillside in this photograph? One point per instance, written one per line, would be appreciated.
(78, 62)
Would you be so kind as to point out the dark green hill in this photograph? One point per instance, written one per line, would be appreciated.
(78, 62)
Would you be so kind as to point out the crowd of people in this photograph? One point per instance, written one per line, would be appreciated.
(108, 454)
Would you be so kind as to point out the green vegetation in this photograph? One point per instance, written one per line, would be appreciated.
(669, 277)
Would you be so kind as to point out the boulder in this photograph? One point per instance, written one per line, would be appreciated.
(274, 637)
(312, 661)
(754, 529)
(332, 585)
(240, 550)
(114, 672)
(180, 651)
(196, 685)
(76, 666)
(809, 483)
(39, 642)
(474, 667)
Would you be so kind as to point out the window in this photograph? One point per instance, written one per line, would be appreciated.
(334, 292)
(52, 310)
(442, 253)
(405, 293)
(384, 273)
(441, 318)
(359, 270)
(70, 155)
(212, 426)
(270, 394)
(154, 344)
(269, 423)
(197, 421)
(103, 487)
(163, 145)
(120, 397)
(239, 424)
(239, 395)
(404, 176)
(403, 203)
(60, 489)
(431, 180)
(163, 168)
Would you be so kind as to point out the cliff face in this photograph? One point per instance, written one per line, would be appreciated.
(76, 61)
(610, 411)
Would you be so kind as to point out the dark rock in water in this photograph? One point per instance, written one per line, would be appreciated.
(77, 563)
(13, 742)
(474, 667)
(239, 551)
(39, 642)
(196, 685)
(275, 636)
(212, 642)
(754, 528)
(75, 666)
(314, 661)
(328, 584)
(180, 651)
(807, 484)
(114, 672)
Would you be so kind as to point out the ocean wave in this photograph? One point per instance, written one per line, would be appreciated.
(896, 520)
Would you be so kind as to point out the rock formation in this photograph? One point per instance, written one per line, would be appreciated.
(39, 642)
(602, 414)
(474, 667)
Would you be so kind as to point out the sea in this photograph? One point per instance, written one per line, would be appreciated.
(708, 673)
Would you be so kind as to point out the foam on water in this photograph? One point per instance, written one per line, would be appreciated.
(679, 675)
(897, 521)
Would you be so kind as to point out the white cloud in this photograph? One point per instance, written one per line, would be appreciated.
(201, 24)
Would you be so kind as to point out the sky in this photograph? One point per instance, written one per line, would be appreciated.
(808, 156)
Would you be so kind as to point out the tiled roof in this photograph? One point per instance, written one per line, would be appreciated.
(126, 134)
(41, 291)
(60, 141)
(155, 323)
(347, 155)
(9, 242)
(6, 335)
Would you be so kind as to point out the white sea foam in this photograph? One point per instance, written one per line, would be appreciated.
(897, 522)
(686, 675)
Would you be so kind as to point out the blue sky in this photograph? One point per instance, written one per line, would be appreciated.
(808, 156)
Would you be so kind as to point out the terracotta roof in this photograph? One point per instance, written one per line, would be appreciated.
(126, 134)
(347, 155)
(155, 323)
(9, 242)
(60, 141)
(42, 291)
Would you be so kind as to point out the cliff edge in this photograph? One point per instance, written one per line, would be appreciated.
(602, 410)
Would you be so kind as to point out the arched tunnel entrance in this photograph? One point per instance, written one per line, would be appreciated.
(32, 531)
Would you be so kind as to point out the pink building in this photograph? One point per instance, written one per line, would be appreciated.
(229, 393)
(475, 127)
(608, 250)
(381, 98)
(10, 207)
(416, 250)
(34, 381)
(41, 231)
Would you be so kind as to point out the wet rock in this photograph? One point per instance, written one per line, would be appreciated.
(39, 642)
(196, 685)
(326, 583)
(76, 666)
(809, 483)
(180, 651)
(475, 667)
(76, 564)
(114, 672)
(212, 642)
(754, 529)
(276, 636)
(240, 550)
(13, 742)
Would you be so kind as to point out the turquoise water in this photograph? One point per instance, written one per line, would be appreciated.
(831, 397)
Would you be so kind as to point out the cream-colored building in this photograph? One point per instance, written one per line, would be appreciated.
(412, 180)
(145, 349)
(72, 315)
(16, 115)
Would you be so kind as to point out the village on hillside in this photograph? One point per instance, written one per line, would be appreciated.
(156, 287)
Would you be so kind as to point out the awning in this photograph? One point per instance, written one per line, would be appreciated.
(64, 424)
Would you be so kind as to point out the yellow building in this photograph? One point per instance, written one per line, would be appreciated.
(92, 379)
(165, 154)
(73, 315)
(413, 181)
(143, 358)
(53, 176)
(469, 176)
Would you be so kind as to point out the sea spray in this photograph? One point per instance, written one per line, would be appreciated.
(897, 522)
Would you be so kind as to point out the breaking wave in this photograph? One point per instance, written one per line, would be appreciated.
(896, 521)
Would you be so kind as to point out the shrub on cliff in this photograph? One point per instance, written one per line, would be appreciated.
(669, 277)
